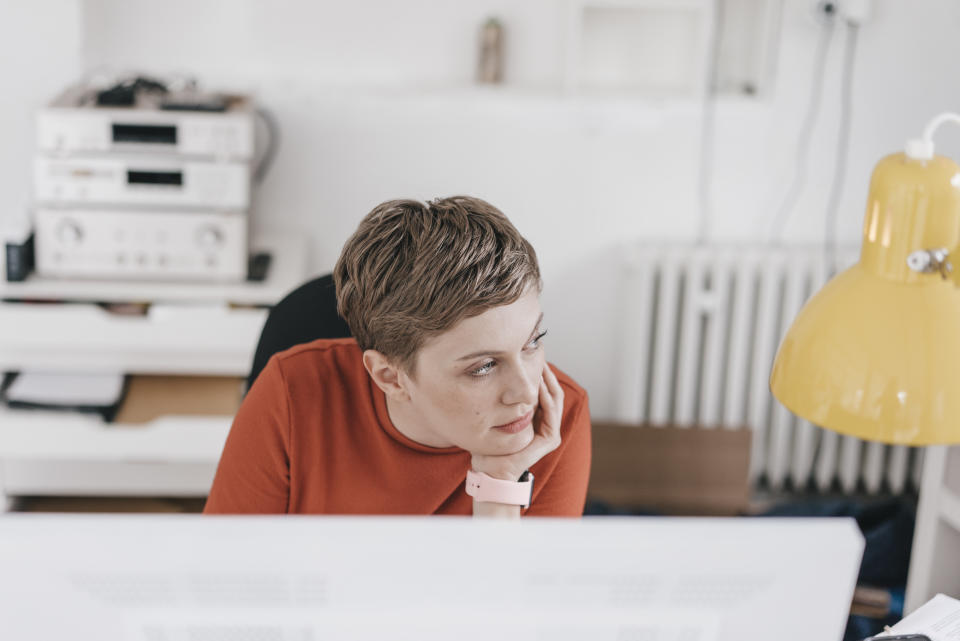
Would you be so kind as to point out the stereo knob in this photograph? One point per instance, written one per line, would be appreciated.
(209, 236)
(69, 233)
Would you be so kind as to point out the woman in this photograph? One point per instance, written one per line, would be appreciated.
(441, 403)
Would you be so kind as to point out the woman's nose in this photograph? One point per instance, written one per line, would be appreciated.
(523, 386)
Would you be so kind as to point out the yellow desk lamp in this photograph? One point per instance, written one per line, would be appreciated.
(876, 352)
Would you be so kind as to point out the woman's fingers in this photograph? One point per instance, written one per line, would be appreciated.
(551, 403)
(553, 385)
(548, 405)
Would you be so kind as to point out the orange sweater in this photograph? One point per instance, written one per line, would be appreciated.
(313, 436)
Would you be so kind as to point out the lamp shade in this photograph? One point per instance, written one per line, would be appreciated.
(876, 352)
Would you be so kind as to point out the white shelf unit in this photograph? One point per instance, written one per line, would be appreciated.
(189, 329)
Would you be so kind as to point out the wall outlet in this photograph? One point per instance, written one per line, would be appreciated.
(824, 11)
(855, 11)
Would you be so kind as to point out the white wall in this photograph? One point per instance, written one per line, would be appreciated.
(375, 102)
(39, 54)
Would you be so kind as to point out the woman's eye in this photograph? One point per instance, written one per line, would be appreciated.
(483, 370)
(535, 343)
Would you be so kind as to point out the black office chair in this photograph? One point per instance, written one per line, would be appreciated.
(307, 313)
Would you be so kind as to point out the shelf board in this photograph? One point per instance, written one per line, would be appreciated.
(72, 436)
(99, 478)
(170, 339)
(287, 271)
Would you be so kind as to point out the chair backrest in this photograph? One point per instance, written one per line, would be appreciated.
(307, 313)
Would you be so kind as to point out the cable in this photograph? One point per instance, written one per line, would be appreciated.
(273, 145)
(843, 144)
(923, 148)
(934, 124)
(806, 133)
(706, 126)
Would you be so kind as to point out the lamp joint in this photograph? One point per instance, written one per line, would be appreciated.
(929, 261)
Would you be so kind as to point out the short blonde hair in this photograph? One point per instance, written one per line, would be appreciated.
(413, 270)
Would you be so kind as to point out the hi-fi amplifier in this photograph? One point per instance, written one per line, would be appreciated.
(162, 245)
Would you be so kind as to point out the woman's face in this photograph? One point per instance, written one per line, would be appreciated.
(476, 386)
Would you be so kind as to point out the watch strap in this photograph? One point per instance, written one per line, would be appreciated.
(486, 489)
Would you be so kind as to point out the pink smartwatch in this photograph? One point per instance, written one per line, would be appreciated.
(487, 489)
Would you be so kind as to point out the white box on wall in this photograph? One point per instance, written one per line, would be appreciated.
(746, 50)
(646, 47)
(671, 48)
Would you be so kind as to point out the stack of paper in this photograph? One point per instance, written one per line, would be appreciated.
(938, 618)
(57, 390)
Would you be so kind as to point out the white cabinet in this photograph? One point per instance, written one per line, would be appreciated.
(188, 329)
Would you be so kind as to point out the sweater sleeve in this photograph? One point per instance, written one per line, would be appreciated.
(253, 476)
(566, 470)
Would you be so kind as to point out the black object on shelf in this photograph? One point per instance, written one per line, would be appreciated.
(118, 96)
(258, 266)
(19, 258)
(124, 93)
(213, 103)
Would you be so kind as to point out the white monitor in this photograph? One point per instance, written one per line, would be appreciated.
(299, 578)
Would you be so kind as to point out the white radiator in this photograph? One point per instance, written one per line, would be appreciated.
(701, 328)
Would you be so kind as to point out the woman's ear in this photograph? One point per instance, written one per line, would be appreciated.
(385, 374)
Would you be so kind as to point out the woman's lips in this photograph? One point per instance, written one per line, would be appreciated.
(516, 426)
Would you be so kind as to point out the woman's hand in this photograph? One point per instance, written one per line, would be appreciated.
(546, 427)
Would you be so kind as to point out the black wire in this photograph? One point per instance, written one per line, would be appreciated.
(806, 132)
(706, 126)
(843, 144)
(273, 145)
